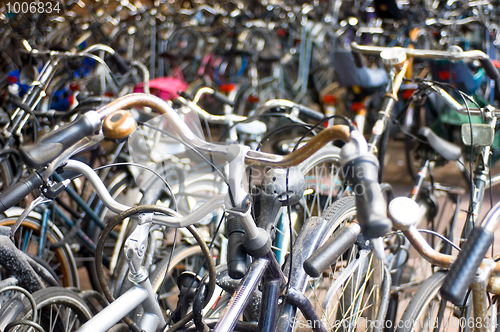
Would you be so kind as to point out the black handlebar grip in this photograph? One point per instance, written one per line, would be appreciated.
(490, 68)
(358, 59)
(15, 193)
(236, 254)
(222, 98)
(52, 145)
(310, 113)
(371, 207)
(465, 267)
(123, 66)
(328, 254)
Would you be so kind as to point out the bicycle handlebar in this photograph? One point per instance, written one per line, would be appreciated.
(371, 200)
(215, 94)
(471, 257)
(50, 146)
(454, 55)
(276, 103)
(15, 193)
(463, 270)
(224, 119)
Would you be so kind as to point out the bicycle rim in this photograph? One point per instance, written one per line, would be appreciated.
(61, 260)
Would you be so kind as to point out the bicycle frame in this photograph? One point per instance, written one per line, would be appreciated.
(237, 202)
(142, 292)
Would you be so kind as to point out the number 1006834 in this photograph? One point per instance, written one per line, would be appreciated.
(33, 7)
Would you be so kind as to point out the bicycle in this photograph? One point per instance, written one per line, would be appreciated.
(257, 238)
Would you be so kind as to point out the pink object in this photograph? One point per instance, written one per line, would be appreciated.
(164, 87)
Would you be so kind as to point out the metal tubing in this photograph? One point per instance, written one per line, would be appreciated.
(241, 296)
(176, 221)
(299, 300)
(274, 269)
(222, 119)
(490, 222)
(149, 322)
(480, 297)
(425, 250)
(256, 158)
(270, 293)
(423, 54)
(114, 312)
(91, 213)
(442, 260)
(150, 304)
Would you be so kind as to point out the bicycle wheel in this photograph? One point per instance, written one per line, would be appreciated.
(27, 238)
(59, 310)
(323, 181)
(164, 277)
(427, 311)
(322, 172)
(347, 295)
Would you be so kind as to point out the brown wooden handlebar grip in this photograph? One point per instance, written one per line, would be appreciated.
(118, 125)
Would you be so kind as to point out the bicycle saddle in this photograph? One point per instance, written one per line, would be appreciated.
(349, 75)
(177, 53)
(235, 52)
(270, 55)
(445, 149)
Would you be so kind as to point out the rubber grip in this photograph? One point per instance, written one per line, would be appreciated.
(310, 113)
(236, 254)
(223, 99)
(328, 254)
(15, 193)
(120, 62)
(490, 68)
(371, 207)
(358, 59)
(52, 145)
(465, 267)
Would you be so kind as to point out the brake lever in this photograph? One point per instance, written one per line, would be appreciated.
(35, 203)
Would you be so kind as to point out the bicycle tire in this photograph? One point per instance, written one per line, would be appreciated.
(424, 297)
(370, 268)
(63, 303)
(322, 172)
(61, 259)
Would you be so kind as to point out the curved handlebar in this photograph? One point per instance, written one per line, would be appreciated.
(453, 55)
(255, 158)
(65, 137)
(224, 119)
(422, 54)
(268, 105)
(430, 254)
(88, 50)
